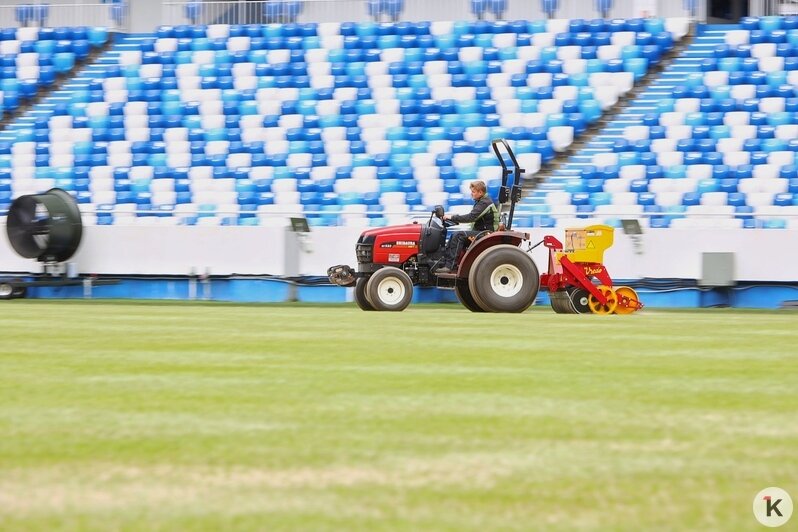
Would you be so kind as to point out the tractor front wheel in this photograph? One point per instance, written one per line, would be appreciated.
(389, 288)
(360, 294)
(504, 279)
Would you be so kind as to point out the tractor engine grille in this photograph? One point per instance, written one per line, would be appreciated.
(365, 253)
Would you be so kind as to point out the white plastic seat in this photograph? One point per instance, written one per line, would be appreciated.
(136, 122)
(777, 159)
(200, 173)
(364, 172)
(569, 52)
(623, 38)
(731, 144)
(468, 54)
(677, 26)
(141, 172)
(429, 186)
(530, 162)
(488, 173)
(239, 160)
(736, 37)
(299, 160)
(238, 44)
(539, 79)
(286, 197)
(57, 148)
(742, 92)
(165, 45)
(420, 160)
(759, 199)
(560, 137)
(188, 83)
(439, 146)
(736, 158)
(291, 121)
(606, 95)
(687, 105)
(632, 171)
(164, 197)
(528, 53)
(716, 78)
(605, 159)
(608, 51)
(496, 79)
(632, 133)
(618, 186)
(218, 31)
(120, 159)
(712, 211)
(668, 199)
(392, 198)
(787, 131)
(126, 58)
(514, 66)
(178, 160)
(699, 171)
(736, 118)
(392, 55)
(476, 134)
(756, 185)
(423, 173)
(261, 172)
(317, 173)
(465, 160)
(549, 107)
(375, 69)
(765, 49)
(746, 131)
(771, 64)
(362, 186)
(623, 198)
(670, 158)
(543, 39)
(671, 118)
(508, 106)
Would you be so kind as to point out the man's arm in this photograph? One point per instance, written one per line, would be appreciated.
(479, 207)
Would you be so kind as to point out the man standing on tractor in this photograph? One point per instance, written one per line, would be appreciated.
(484, 216)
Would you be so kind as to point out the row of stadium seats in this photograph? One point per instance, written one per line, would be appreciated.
(678, 27)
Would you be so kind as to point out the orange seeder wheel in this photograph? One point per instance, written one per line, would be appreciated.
(627, 300)
(612, 301)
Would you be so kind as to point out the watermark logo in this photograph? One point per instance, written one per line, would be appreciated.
(772, 507)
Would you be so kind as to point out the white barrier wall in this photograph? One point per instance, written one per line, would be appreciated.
(761, 255)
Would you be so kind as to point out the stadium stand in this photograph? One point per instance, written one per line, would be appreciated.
(350, 123)
(710, 144)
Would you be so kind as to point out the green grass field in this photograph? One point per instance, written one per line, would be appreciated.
(167, 416)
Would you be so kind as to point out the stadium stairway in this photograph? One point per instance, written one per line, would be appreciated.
(658, 83)
(24, 115)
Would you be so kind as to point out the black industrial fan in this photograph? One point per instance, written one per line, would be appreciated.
(45, 227)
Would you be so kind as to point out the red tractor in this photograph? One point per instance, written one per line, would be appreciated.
(493, 273)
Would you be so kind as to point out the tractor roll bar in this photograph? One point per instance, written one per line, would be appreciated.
(512, 193)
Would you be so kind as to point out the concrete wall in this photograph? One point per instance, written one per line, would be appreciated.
(761, 255)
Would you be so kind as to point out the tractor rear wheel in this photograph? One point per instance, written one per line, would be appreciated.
(360, 294)
(504, 279)
(390, 289)
(465, 297)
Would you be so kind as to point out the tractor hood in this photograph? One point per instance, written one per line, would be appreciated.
(397, 232)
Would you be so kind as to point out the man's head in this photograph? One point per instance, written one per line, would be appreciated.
(478, 189)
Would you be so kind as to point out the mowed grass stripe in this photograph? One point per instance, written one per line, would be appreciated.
(120, 415)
